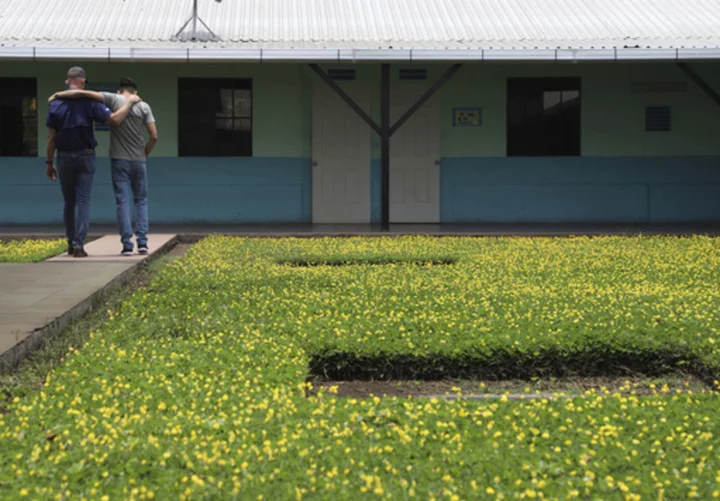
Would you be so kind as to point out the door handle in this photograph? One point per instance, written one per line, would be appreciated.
(437, 162)
(315, 164)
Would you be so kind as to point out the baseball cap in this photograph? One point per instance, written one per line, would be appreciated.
(76, 72)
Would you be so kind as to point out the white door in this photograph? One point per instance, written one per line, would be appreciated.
(341, 158)
(415, 158)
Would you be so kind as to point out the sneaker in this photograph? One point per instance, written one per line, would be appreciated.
(70, 250)
(142, 249)
(127, 251)
(79, 252)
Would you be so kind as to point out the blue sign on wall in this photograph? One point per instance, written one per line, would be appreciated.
(467, 117)
(102, 87)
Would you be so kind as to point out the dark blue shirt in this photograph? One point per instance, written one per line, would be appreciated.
(73, 122)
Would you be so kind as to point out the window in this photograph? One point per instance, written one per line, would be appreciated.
(214, 117)
(18, 117)
(543, 117)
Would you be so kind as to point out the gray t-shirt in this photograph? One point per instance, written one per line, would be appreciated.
(127, 141)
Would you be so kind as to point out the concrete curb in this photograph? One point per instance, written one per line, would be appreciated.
(12, 358)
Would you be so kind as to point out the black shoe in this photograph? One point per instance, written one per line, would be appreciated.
(79, 252)
(70, 250)
(127, 251)
(142, 249)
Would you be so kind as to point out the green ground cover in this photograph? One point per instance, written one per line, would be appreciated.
(195, 387)
(30, 251)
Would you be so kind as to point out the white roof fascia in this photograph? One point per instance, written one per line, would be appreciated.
(292, 55)
(709, 54)
(159, 55)
(584, 55)
(222, 55)
(178, 54)
(26, 53)
(42, 52)
(375, 55)
(522, 55)
(444, 55)
(626, 54)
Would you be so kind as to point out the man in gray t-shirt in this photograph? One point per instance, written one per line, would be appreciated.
(128, 155)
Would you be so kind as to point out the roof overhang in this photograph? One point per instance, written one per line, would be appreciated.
(205, 54)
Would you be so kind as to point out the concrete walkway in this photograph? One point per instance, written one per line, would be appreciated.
(39, 299)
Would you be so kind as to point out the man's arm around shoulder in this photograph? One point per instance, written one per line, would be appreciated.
(77, 94)
(117, 118)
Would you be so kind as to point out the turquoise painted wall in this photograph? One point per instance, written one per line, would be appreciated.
(640, 189)
(668, 176)
(181, 190)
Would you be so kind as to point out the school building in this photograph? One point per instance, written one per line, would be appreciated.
(369, 111)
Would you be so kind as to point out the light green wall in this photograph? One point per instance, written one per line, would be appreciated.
(613, 120)
(281, 114)
(612, 117)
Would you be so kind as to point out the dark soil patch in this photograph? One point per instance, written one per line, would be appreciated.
(601, 361)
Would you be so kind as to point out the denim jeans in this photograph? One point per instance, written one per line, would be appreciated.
(128, 178)
(76, 170)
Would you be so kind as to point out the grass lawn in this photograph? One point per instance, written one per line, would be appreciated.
(31, 250)
(196, 386)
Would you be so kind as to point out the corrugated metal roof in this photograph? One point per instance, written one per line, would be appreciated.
(367, 24)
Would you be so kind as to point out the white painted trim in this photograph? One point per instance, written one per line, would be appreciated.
(201, 54)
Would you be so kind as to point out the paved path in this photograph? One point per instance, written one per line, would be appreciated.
(39, 299)
(107, 250)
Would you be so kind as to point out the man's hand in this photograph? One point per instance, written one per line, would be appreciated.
(52, 98)
(51, 171)
(133, 99)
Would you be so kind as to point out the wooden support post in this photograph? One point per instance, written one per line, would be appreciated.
(385, 144)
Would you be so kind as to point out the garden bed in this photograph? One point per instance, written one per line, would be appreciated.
(196, 387)
(30, 250)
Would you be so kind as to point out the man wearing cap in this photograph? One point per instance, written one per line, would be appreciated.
(128, 157)
(71, 133)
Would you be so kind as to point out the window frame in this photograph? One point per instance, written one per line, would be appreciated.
(17, 87)
(187, 84)
(543, 85)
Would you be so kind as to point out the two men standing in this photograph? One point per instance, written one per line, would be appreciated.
(73, 112)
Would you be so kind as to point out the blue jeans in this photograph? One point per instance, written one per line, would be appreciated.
(76, 170)
(131, 177)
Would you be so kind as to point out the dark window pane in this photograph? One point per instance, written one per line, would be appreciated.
(226, 103)
(223, 124)
(18, 117)
(214, 117)
(543, 117)
(243, 124)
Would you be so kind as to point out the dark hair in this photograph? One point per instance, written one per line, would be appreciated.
(128, 84)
